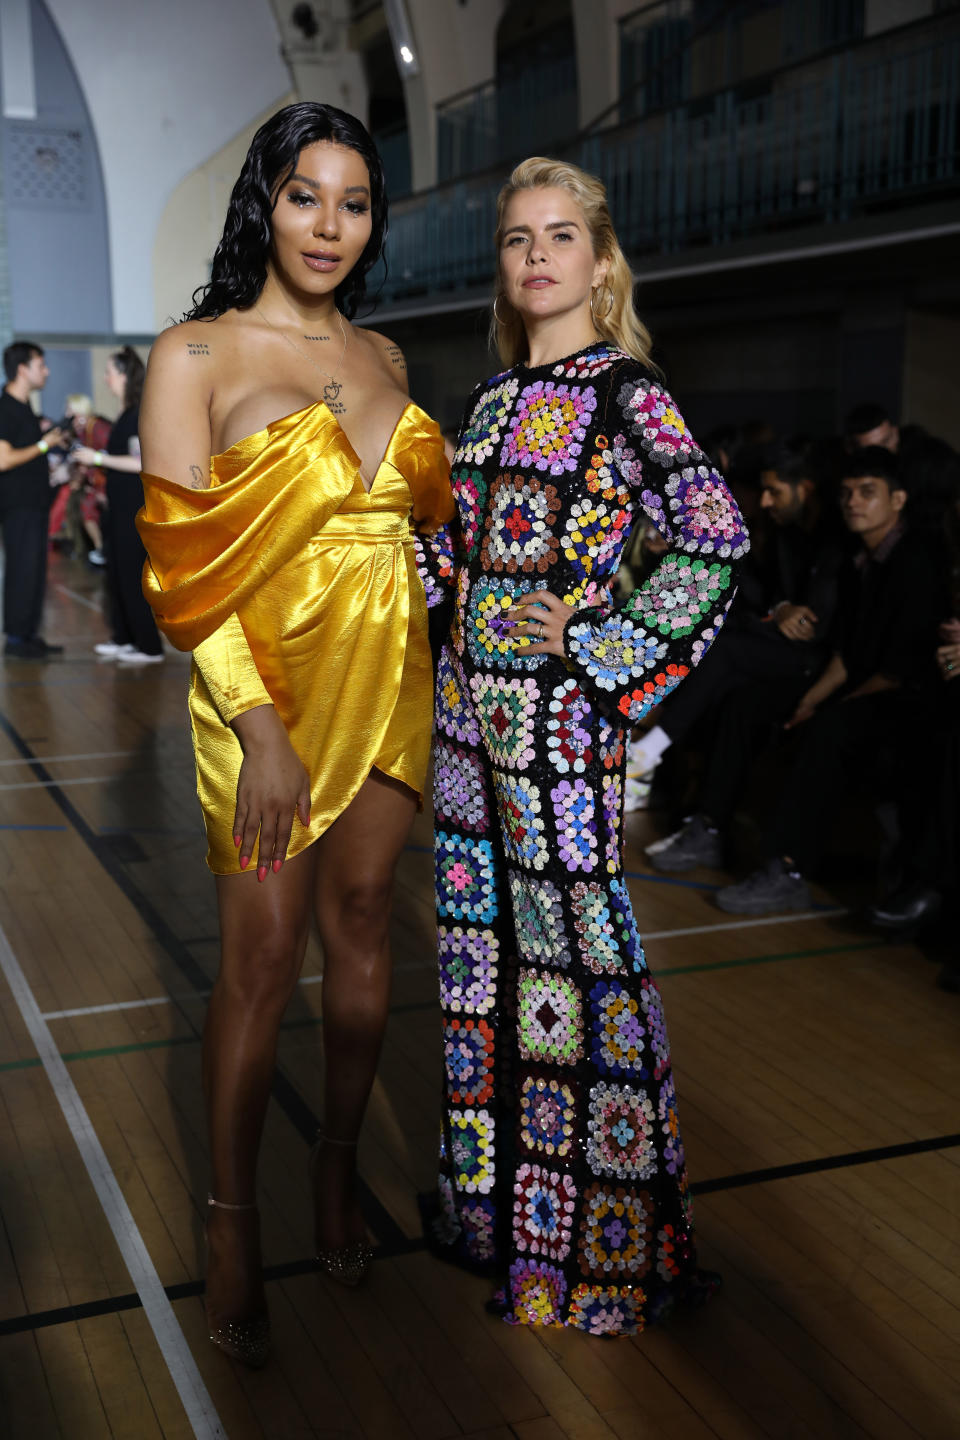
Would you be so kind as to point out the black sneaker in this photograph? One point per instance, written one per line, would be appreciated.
(693, 845)
(25, 650)
(768, 890)
(46, 647)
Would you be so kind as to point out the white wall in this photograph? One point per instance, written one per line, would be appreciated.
(597, 35)
(173, 83)
(192, 222)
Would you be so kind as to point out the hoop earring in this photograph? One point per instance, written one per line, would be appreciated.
(496, 314)
(593, 294)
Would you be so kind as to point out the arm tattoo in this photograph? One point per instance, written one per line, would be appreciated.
(194, 348)
(396, 357)
(196, 478)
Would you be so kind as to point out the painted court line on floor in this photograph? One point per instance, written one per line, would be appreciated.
(62, 759)
(58, 784)
(81, 599)
(742, 924)
(107, 1009)
(184, 1373)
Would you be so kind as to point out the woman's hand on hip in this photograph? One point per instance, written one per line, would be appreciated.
(542, 617)
(272, 788)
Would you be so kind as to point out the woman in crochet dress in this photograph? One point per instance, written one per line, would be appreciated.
(562, 1169)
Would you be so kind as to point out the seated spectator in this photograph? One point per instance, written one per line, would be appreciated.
(869, 425)
(867, 700)
(928, 854)
(764, 658)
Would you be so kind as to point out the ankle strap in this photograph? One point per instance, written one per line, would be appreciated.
(323, 1139)
(222, 1205)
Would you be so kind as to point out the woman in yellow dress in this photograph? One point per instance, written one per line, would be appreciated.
(284, 468)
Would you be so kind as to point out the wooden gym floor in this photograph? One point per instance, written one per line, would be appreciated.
(819, 1084)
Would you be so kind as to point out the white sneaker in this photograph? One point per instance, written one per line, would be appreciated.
(137, 657)
(112, 650)
(636, 792)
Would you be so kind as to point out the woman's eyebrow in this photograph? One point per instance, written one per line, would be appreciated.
(315, 185)
(554, 225)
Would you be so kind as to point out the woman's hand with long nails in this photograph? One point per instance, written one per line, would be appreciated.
(272, 788)
(542, 617)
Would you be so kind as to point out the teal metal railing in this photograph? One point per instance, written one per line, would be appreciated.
(482, 127)
(864, 129)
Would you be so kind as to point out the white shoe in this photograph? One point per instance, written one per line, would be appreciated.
(137, 657)
(636, 792)
(112, 650)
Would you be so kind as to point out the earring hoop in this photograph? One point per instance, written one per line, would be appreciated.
(496, 314)
(593, 294)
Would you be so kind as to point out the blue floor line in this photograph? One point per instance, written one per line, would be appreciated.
(33, 827)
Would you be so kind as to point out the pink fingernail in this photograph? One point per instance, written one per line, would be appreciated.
(236, 840)
(244, 861)
(276, 865)
(261, 872)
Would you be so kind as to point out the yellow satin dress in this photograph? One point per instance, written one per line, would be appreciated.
(294, 585)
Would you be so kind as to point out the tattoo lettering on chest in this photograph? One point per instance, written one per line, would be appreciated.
(316, 337)
(336, 407)
(196, 478)
(396, 357)
(194, 348)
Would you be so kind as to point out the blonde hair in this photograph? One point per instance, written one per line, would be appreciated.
(79, 405)
(619, 324)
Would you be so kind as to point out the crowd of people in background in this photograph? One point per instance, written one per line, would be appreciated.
(75, 482)
(832, 681)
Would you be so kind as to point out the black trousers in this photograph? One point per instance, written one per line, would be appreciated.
(131, 619)
(868, 741)
(739, 657)
(25, 544)
(747, 719)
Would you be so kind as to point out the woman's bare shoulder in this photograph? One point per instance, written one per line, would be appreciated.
(193, 342)
(386, 352)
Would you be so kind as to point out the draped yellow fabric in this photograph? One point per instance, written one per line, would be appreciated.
(288, 559)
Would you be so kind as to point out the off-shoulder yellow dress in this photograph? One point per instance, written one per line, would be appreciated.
(294, 585)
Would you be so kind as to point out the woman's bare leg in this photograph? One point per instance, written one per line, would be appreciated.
(263, 935)
(355, 869)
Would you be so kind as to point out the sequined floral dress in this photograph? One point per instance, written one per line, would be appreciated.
(562, 1167)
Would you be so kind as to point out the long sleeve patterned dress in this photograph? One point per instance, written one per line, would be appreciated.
(562, 1168)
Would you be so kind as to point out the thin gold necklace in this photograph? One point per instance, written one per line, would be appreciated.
(331, 390)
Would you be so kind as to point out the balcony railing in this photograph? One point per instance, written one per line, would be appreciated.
(492, 123)
(856, 133)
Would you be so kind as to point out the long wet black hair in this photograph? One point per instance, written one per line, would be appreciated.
(239, 268)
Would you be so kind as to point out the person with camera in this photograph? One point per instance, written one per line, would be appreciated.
(25, 497)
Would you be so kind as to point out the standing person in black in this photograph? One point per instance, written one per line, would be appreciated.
(862, 716)
(135, 639)
(25, 497)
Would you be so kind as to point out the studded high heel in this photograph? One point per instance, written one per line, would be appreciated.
(245, 1340)
(347, 1264)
